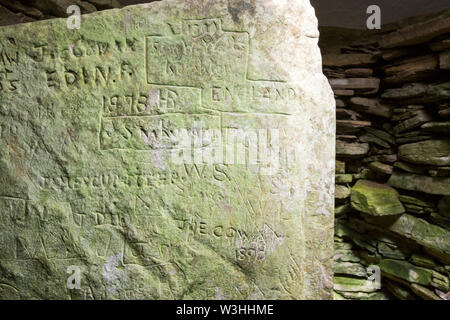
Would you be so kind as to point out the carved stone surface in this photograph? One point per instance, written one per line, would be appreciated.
(105, 182)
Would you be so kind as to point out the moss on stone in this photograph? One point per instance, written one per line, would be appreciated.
(375, 199)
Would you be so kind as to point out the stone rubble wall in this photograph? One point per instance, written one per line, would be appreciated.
(392, 90)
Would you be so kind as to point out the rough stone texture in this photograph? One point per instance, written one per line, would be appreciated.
(440, 45)
(399, 291)
(368, 137)
(349, 268)
(350, 126)
(412, 70)
(375, 199)
(360, 85)
(429, 152)
(426, 184)
(380, 167)
(444, 206)
(8, 17)
(340, 167)
(344, 93)
(437, 127)
(17, 6)
(345, 149)
(418, 118)
(354, 285)
(404, 127)
(382, 134)
(343, 178)
(407, 92)
(342, 192)
(58, 8)
(88, 120)
(412, 274)
(371, 106)
(418, 33)
(358, 72)
(424, 233)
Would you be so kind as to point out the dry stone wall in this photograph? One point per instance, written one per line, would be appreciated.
(392, 90)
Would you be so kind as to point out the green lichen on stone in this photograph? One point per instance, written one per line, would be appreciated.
(375, 199)
(406, 271)
(425, 184)
(429, 152)
(89, 124)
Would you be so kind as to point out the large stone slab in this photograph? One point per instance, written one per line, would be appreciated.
(8, 17)
(351, 126)
(428, 235)
(418, 93)
(375, 199)
(426, 184)
(416, 120)
(105, 166)
(348, 60)
(428, 152)
(360, 85)
(412, 70)
(418, 33)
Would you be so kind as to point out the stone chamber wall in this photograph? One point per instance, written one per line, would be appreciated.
(392, 90)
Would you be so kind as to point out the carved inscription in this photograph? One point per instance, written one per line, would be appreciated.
(158, 132)
(198, 57)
